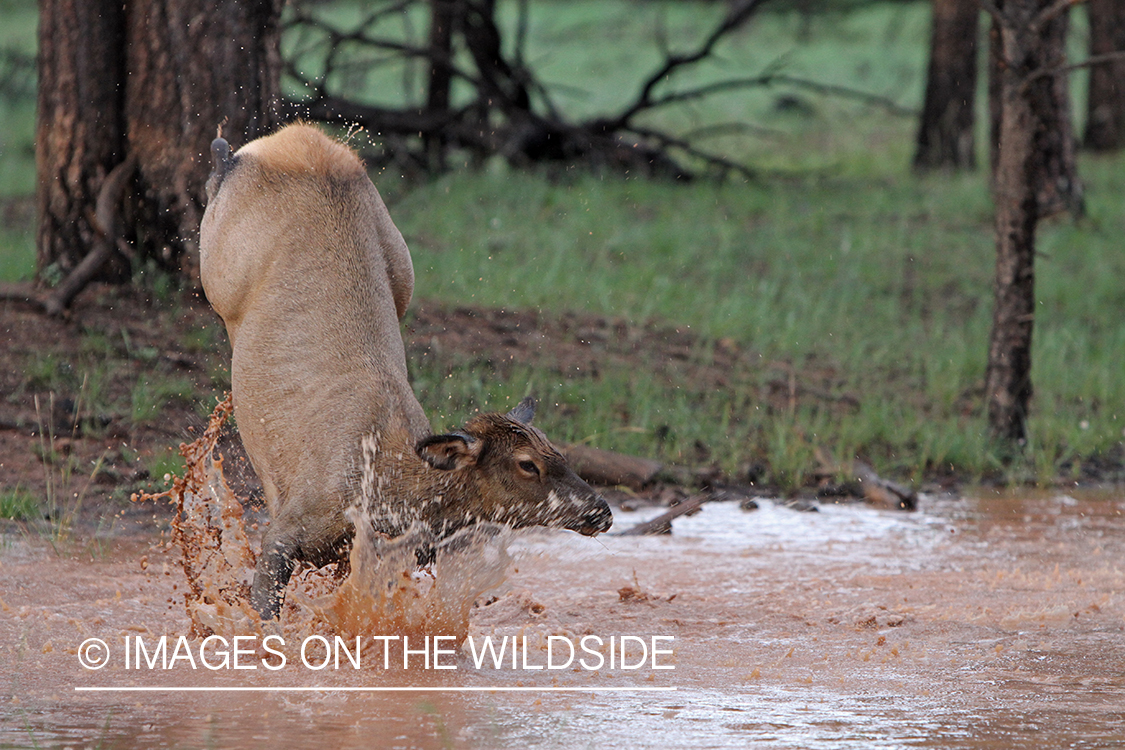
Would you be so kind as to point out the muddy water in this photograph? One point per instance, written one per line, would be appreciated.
(992, 621)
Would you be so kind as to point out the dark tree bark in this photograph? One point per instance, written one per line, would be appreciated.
(440, 78)
(946, 129)
(995, 69)
(1105, 106)
(193, 65)
(1026, 154)
(80, 134)
(442, 18)
(148, 82)
(1059, 189)
(482, 37)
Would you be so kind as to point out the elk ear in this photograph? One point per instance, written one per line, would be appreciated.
(524, 411)
(448, 452)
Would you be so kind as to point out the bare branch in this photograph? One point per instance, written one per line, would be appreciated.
(770, 79)
(383, 44)
(722, 164)
(521, 33)
(738, 15)
(302, 17)
(662, 524)
(730, 128)
(1062, 70)
(330, 108)
(502, 120)
(1051, 12)
(23, 293)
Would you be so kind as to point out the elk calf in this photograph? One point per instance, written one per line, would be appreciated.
(311, 277)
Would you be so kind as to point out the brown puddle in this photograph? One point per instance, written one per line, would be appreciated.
(986, 622)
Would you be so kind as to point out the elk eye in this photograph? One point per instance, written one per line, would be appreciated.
(529, 467)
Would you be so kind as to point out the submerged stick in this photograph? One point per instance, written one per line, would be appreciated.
(662, 524)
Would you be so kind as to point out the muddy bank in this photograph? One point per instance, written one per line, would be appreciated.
(982, 622)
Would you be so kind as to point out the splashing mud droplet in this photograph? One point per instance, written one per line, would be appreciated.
(381, 591)
(385, 594)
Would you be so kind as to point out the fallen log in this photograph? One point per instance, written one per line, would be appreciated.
(875, 489)
(662, 524)
(611, 469)
(883, 492)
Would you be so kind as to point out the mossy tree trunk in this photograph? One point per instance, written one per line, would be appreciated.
(148, 81)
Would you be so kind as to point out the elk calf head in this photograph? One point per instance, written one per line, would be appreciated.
(500, 469)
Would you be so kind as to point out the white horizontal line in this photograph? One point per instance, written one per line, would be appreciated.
(402, 689)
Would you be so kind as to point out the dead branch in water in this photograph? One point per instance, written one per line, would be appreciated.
(876, 490)
(884, 492)
(662, 524)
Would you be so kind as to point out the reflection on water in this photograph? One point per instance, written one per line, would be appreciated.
(986, 622)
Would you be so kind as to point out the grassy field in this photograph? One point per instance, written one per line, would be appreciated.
(879, 289)
(838, 271)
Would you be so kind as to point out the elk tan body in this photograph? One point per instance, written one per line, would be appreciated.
(310, 275)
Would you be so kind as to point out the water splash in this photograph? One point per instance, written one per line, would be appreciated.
(380, 591)
(216, 555)
(385, 593)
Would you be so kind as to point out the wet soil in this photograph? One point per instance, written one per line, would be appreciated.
(980, 622)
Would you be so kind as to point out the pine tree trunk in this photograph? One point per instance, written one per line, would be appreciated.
(1029, 110)
(194, 66)
(1060, 188)
(148, 81)
(995, 70)
(1105, 106)
(79, 134)
(440, 78)
(945, 133)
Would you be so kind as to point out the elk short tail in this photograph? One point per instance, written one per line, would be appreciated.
(221, 163)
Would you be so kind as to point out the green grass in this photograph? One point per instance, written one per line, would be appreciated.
(17, 254)
(17, 136)
(885, 281)
(17, 106)
(17, 504)
(149, 397)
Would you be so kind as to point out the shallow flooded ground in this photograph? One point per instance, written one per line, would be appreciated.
(994, 621)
